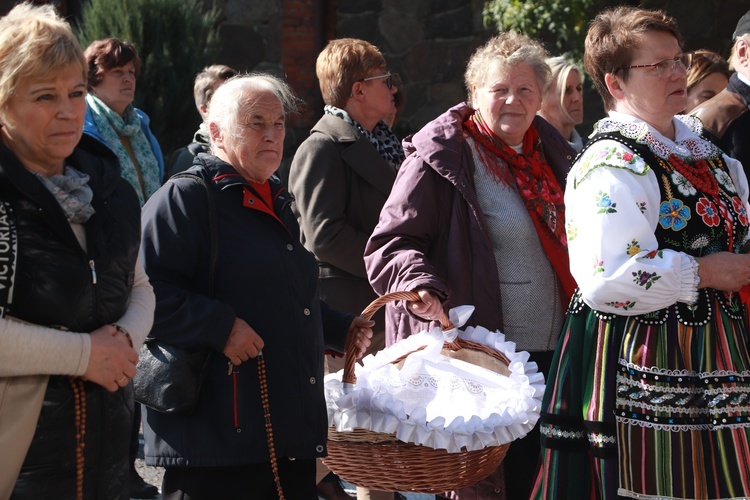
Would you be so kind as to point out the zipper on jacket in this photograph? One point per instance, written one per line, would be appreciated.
(93, 271)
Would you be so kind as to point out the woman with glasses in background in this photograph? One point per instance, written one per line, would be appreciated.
(647, 396)
(340, 178)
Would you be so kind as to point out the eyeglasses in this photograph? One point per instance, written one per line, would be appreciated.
(390, 79)
(667, 67)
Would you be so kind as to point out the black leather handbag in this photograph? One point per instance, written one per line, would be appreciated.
(169, 378)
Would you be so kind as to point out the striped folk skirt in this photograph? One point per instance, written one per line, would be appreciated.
(649, 407)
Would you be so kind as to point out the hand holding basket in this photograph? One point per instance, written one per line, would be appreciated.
(368, 457)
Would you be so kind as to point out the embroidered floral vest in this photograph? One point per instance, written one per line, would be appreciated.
(691, 220)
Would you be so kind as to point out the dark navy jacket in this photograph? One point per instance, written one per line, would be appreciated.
(264, 276)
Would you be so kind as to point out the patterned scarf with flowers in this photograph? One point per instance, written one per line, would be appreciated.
(538, 187)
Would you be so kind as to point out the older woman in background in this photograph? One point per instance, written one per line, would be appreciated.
(75, 302)
(351, 154)
(647, 394)
(476, 217)
(562, 105)
(708, 76)
(111, 118)
(265, 297)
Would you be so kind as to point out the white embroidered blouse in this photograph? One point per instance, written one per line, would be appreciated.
(612, 204)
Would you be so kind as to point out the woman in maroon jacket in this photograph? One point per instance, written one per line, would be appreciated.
(476, 216)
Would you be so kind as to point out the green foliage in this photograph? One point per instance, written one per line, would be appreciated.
(561, 24)
(175, 39)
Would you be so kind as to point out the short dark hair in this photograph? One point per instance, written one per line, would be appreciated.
(107, 54)
(206, 80)
(612, 38)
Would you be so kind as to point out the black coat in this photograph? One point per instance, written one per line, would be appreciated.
(54, 286)
(267, 278)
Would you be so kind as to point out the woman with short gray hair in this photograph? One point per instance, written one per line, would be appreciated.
(264, 298)
(476, 216)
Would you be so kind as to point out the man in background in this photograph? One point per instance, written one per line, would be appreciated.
(206, 83)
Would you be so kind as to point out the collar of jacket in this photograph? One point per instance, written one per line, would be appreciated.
(357, 152)
(224, 176)
(441, 144)
(740, 88)
(90, 157)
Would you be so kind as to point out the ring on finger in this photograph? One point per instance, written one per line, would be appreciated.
(123, 380)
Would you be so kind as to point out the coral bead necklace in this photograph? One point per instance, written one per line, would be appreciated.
(699, 174)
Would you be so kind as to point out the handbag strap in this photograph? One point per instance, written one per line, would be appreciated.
(8, 255)
(201, 176)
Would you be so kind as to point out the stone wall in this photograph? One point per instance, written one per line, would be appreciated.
(428, 42)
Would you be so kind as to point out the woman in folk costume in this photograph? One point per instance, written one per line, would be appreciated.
(648, 393)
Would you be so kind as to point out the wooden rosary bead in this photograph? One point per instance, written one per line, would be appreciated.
(269, 430)
(79, 398)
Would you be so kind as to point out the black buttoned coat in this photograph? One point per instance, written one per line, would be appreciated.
(267, 278)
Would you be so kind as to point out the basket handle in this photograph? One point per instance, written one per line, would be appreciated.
(350, 354)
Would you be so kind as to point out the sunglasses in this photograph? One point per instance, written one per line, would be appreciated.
(390, 79)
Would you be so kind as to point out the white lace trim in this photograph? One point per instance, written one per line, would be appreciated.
(683, 373)
(438, 401)
(631, 494)
(692, 147)
(649, 387)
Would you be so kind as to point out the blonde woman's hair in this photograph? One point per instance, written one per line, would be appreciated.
(705, 63)
(506, 50)
(35, 42)
(561, 68)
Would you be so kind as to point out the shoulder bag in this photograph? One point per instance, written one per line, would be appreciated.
(168, 379)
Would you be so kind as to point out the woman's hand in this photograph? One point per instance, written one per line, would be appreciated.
(724, 271)
(361, 330)
(243, 343)
(429, 308)
(112, 361)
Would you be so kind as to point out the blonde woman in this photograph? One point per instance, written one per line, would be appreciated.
(562, 105)
(81, 304)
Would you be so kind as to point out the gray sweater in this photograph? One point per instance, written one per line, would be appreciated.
(528, 284)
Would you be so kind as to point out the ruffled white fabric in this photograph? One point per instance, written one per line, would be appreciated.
(437, 401)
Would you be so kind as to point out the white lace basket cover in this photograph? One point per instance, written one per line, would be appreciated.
(437, 401)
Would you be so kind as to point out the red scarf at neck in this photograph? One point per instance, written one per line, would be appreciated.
(538, 187)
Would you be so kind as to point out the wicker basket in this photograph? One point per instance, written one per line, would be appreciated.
(382, 462)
